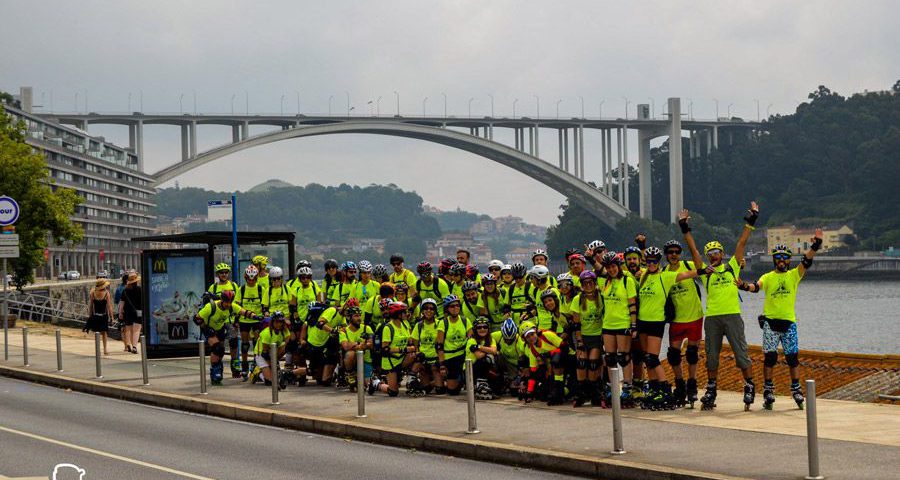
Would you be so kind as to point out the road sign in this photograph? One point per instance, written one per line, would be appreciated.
(9, 252)
(11, 240)
(9, 211)
(218, 210)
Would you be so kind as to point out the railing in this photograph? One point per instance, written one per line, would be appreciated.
(45, 309)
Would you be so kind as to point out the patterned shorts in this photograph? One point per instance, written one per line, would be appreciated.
(788, 339)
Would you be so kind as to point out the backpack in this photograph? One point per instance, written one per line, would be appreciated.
(258, 292)
(509, 293)
(377, 345)
(213, 295)
(435, 286)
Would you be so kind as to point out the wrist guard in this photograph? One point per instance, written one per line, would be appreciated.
(806, 261)
(816, 245)
(640, 244)
(751, 217)
(683, 225)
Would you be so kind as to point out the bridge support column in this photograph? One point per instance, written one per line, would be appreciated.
(516, 134)
(620, 186)
(561, 165)
(608, 178)
(716, 137)
(676, 181)
(537, 141)
(576, 153)
(235, 133)
(132, 137)
(581, 149)
(625, 181)
(491, 131)
(645, 175)
(139, 130)
(691, 139)
(185, 143)
(531, 140)
(245, 130)
(566, 149)
(602, 183)
(709, 142)
(193, 131)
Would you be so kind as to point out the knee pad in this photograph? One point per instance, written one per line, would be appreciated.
(770, 359)
(594, 364)
(245, 347)
(693, 354)
(673, 355)
(652, 361)
(454, 391)
(218, 350)
(610, 359)
(637, 356)
(581, 363)
(792, 360)
(623, 358)
(393, 393)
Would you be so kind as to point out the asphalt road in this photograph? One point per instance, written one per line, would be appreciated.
(41, 427)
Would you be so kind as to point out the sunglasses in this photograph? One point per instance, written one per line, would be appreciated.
(481, 327)
(494, 269)
(305, 277)
(781, 256)
(652, 260)
(673, 252)
(428, 309)
(453, 305)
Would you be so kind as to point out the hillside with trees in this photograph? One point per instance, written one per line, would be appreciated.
(833, 161)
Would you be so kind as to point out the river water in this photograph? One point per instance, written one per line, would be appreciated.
(861, 316)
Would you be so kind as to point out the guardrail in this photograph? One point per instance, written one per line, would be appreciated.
(45, 309)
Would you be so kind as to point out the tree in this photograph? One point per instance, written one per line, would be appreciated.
(45, 207)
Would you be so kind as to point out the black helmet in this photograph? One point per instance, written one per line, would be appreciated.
(518, 270)
(330, 263)
(672, 244)
(314, 312)
(301, 264)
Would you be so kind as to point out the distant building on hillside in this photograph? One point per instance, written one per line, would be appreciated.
(797, 239)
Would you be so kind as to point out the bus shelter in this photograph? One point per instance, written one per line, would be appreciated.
(178, 268)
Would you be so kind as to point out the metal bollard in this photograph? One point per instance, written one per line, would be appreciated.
(202, 348)
(812, 434)
(59, 350)
(360, 384)
(273, 371)
(5, 334)
(144, 372)
(25, 346)
(470, 398)
(99, 367)
(615, 377)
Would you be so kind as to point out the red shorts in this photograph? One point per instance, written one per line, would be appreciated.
(693, 331)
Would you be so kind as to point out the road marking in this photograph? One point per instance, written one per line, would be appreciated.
(105, 454)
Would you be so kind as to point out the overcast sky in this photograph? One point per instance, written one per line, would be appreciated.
(773, 51)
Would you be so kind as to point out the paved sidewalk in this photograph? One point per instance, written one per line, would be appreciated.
(857, 439)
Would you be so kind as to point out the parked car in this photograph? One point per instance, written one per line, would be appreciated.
(103, 274)
(69, 275)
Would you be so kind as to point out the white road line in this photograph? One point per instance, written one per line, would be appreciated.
(105, 454)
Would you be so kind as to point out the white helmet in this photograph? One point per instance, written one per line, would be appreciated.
(564, 277)
(251, 271)
(495, 263)
(365, 266)
(539, 252)
(276, 272)
(304, 271)
(596, 244)
(540, 272)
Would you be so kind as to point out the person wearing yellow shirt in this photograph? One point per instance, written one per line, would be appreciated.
(456, 278)
(344, 290)
(495, 268)
(281, 297)
(453, 332)
(401, 274)
(506, 276)
(540, 283)
(223, 282)
(543, 350)
(306, 291)
(779, 318)
(261, 262)
(397, 350)
(323, 328)
(587, 321)
(577, 264)
(518, 295)
(472, 308)
(253, 296)
(424, 334)
(331, 281)
(540, 258)
(365, 288)
(619, 295)
(356, 337)
(593, 253)
(512, 354)
(482, 351)
(654, 286)
(723, 309)
(493, 300)
(214, 319)
(373, 314)
(430, 286)
(276, 332)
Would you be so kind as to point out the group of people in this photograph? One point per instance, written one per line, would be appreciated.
(124, 306)
(528, 334)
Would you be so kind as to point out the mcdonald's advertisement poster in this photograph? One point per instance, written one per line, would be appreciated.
(175, 288)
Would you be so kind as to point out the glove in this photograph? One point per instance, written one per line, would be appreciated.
(198, 321)
(816, 244)
(683, 225)
(752, 215)
(641, 241)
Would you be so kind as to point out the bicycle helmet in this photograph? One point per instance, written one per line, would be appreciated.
(276, 272)
(396, 258)
(495, 264)
(384, 303)
(596, 245)
(445, 265)
(610, 258)
(379, 271)
(348, 266)
(577, 256)
(572, 251)
(527, 327)
(331, 263)
(588, 275)
(365, 266)
(672, 244)
(450, 299)
(564, 277)
(424, 268)
(350, 311)
(782, 249)
(472, 271)
(223, 267)
(304, 272)
(481, 322)
(509, 329)
(395, 309)
(518, 270)
(653, 252)
(227, 296)
(538, 253)
(251, 271)
(457, 269)
(276, 316)
(713, 246)
(469, 286)
(549, 293)
(632, 251)
(428, 301)
(260, 260)
(540, 272)
(401, 287)
(303, 263)
(507, 268)
(488, 278)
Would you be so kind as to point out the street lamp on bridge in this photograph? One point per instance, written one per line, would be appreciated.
(298, 101)
(582, 106)
(378, 106)
(514, 107)
(601, 109)
(757, 109)
(492, 105)
(691, 109)
(717, 108)
(729, 109)
(557, 108)
(537, 102)
(626, 107)
(424, 103)
(445, 104)
(397, 94)
(247, 101)
(470, 106)
(181, 103)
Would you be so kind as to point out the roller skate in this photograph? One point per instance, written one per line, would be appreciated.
(482, 390)
(639, 390)
(679, 395)
(556, 394)
(350, 379)
(797, 393)
(627, 398)
(708, 401)
(661, 398)
(581, 394)
(235, 368)
(768, 395)
(286, 377)
(253, 378)
(245, 373)
(414, 388)
(215, 374)
(691, 391)
(749, 394)
(373, 385)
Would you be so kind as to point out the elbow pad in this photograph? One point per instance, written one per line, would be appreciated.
(806, 261)
(473, 348)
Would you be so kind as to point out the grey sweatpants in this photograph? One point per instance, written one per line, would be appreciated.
(731, 326)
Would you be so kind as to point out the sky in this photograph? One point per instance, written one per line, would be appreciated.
(168, 56)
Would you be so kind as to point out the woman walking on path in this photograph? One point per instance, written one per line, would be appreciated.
(130, 311)
(100, 310)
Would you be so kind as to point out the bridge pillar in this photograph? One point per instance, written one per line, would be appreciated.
(132, 137)
(185, 145)
(645, 175)
(491, 131)
(691, 139)
(716, 137)
(709, 142)
(139, 130)
(537, 141)
(561, 164)
(581, 148)
(531, 140)
(193, 131)
(575, 158)
(676, 185)
(625, 181)
(245, 130)
(566, 148)
(619, 168)
(235, 134)
(609, 161)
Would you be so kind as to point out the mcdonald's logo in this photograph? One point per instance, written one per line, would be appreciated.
(178, 331)
(160, 266)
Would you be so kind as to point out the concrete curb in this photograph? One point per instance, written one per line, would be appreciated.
(518, 456)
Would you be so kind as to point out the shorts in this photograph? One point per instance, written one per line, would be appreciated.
(652, 329)
(693, 331)
(730, 326)
(322, 356)
(617, 331)
(220, 334)
(592, 342)
(788, 340)
(249, 326)
(455, 367)
(261, 361)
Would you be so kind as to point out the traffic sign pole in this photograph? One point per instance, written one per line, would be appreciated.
(9, 248)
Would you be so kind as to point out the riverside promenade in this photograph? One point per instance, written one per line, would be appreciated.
(856, 439)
